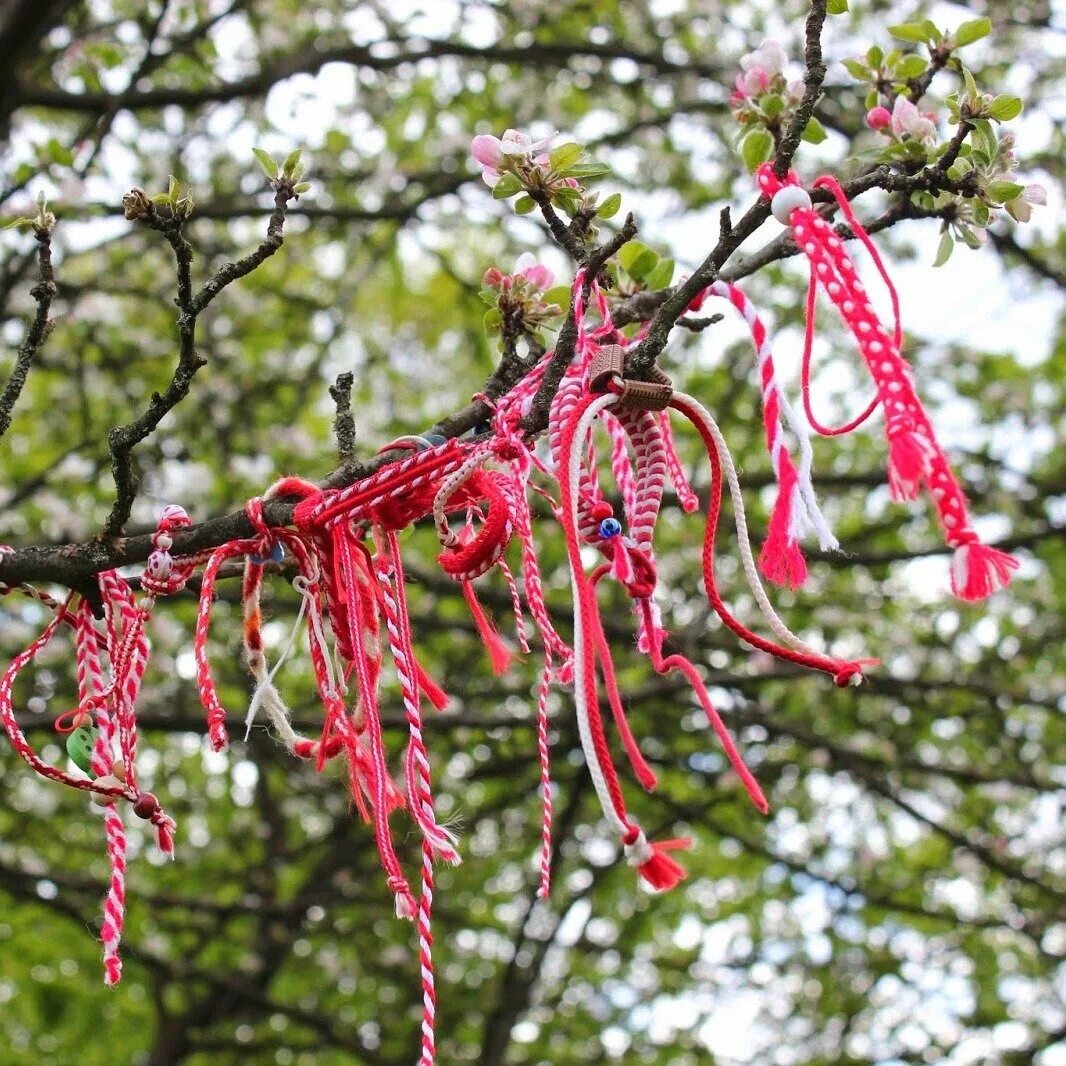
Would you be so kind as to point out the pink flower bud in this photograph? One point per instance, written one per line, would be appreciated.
(878, 118)
(487, 150)
(492, 278)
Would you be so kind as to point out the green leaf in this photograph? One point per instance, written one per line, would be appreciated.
(944, 249)
(772, 105)
(524, 204)
(910, 67)
(875, 56)
(914, 32)
(999, 192)
(756, 148)
(173, 189)
(1004, 108)
(932, 34)
(971, 238)
(814, 131)
(971, 85)
(661, 276)
(610, 206)
(985, 139)
(638, 260)
(507, 186)
(567, 198)
(589, 170)
(292, 161)
(972, 31)
(18, 223)
(857, 69)
(559, 295)
(836, 7)
(643, 266)
(270, 168)
(301, 188)
(565, 156)
(493, 320)
(57, 152)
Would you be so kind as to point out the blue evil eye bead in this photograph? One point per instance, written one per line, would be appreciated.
(277, 553)
(610, 527)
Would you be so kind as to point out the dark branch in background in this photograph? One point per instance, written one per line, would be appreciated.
(170, 222)
(540, 53)
(23, 23)
(344, 422)
(42, 292)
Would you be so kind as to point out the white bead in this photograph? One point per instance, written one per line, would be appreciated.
(786, 200)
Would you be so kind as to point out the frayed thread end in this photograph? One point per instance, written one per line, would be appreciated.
(978, 570)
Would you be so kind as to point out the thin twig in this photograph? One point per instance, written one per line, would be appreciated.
(43, 293)
(123, 439)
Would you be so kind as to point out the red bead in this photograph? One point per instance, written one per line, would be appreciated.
(146, 805)
(601, 511)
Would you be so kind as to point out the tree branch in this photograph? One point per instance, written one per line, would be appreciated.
(537, 419)
(171, 223)
(43, 293)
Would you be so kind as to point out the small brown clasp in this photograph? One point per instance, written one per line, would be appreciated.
(608, 364)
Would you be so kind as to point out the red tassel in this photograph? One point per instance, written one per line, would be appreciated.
(661, 872)
(164, 836)
(499, 656)
(430, 689)
(781, 560)
(978, 570)
(908, 461)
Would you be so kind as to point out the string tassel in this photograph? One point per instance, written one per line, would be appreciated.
(499, 655)
(653, 860)
(978, 570)
(781, 559)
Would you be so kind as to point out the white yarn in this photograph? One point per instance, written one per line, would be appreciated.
(747, 559)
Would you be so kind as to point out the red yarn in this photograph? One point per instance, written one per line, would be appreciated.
(915, 456)
(815, 662)
(781, 559)
(499, 655)
(661, 872)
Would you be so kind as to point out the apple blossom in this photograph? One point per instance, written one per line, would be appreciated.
(1021, 207)
(538, 275)
(908, 121)
(769, 58)
(494, 154)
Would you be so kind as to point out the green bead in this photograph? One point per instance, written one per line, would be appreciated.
(80, 743)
